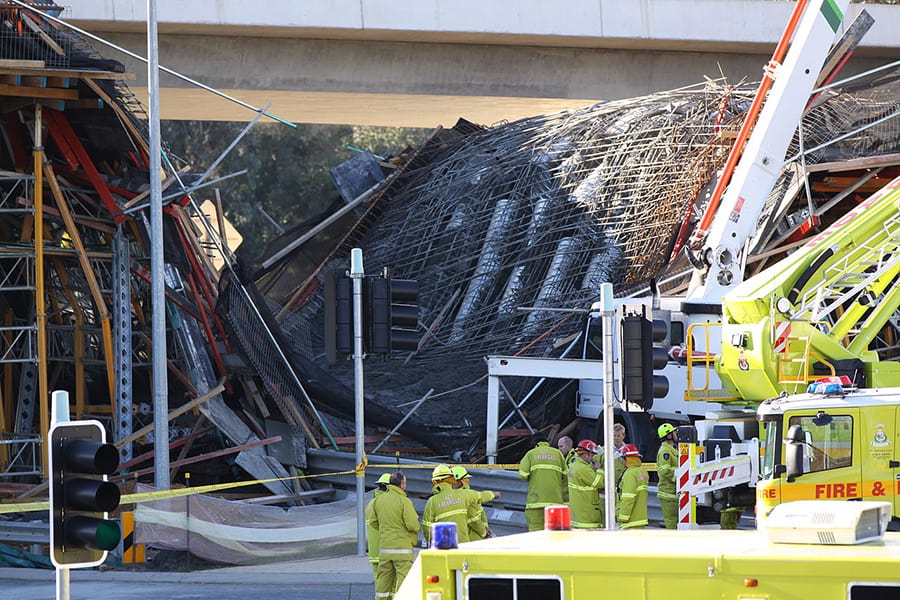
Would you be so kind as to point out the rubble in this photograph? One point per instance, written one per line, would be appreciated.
(509, 230)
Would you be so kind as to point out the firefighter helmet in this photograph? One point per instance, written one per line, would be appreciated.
(587, 446)
(441, 472)
(665, 429)
(631, 450)
(459, 472)
(385, 478)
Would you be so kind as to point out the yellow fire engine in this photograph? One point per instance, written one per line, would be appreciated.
(837, 446)
(857, 562)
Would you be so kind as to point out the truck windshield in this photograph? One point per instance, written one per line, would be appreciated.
(770, 449)
(593, 339)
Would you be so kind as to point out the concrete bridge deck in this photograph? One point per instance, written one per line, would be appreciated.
(426, 62)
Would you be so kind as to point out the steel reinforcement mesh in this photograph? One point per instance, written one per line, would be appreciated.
(507, 226)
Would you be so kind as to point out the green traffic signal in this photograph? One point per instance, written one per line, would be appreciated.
(93, 533)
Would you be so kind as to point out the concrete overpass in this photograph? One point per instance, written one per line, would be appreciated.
(421, 63)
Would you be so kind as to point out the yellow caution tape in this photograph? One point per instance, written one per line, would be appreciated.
(359, 471)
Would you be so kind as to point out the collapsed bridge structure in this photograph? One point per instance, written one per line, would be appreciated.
(510, 230)
(75, 279)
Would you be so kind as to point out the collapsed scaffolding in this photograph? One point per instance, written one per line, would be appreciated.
(74, 272)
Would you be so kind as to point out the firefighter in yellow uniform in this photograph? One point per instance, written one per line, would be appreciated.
(397, 523)
(450, 505)
(462, 477)
(544, 467)
(666, 463)
(631, 509)
(371, 532)
(585, 484)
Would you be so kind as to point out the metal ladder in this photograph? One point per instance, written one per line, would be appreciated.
(847, 278)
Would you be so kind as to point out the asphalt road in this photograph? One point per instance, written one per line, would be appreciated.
(122, 590)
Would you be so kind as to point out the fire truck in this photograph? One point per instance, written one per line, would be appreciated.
(822, 550)
(834, 442)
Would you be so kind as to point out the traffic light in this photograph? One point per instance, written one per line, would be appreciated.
(80, 495)
(393, 315)
(640, 357)
(338, 316)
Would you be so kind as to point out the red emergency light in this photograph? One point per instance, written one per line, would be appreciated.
(557, 518)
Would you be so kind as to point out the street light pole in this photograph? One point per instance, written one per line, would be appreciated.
(357, 274)
(608, 311)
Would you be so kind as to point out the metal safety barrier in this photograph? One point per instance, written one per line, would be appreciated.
(33, 532)
(418, 474)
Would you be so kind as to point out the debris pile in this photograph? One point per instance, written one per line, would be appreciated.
(509, 228)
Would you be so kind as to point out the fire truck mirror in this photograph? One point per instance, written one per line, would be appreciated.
(794, 451)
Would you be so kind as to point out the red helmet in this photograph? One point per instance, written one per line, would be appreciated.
(587, 446)
(630, 450)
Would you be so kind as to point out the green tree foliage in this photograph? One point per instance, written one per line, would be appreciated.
(287, 169)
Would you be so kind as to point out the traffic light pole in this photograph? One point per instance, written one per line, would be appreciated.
(608, 311)
(357, 274)
(59, 413)
(63, 579)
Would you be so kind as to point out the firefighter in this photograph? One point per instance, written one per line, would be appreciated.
(585, 484)
(397, 524)
(544, 467)
(450, 505)
(631, 509)
(462, 479)
(666, 463)
(371, 532)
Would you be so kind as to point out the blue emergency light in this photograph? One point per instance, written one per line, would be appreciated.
(829, 385)
(443, 536)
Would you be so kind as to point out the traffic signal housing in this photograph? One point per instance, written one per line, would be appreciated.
(338, 316)
(393, 315)
(642, 354)
(80, 494)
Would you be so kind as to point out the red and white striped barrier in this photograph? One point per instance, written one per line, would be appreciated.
(686, 503)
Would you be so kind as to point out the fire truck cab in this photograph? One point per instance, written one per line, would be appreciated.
(840, 445)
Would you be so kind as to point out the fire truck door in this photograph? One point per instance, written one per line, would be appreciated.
(832, 467)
